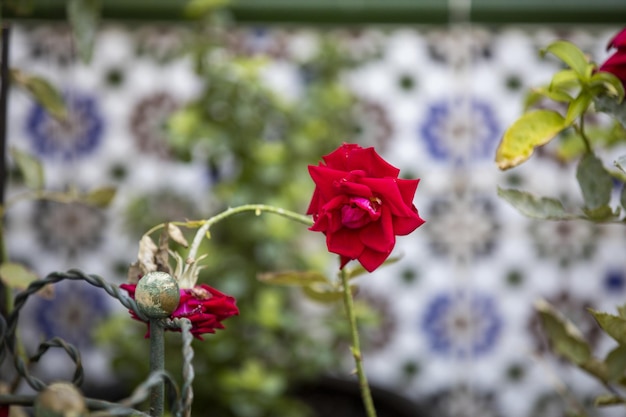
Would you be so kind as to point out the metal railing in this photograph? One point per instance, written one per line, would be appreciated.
(152, 389)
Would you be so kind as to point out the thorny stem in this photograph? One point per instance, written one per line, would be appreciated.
(366, 394)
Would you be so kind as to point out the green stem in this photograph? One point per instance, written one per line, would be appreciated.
(581, 131)
(366, 394)
(257, 208)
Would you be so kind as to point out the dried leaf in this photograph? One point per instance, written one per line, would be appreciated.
(147, 253)
(177, 235)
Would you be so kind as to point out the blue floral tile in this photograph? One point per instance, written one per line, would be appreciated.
(78, 136)
(462, 227)
(72, 313)
(68, 228)
(148, 120)
(458, 130)
(462, 401)
(459, 324)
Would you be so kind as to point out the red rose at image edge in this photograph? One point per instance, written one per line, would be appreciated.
(616, 63)
(203, 305)
(361, 205)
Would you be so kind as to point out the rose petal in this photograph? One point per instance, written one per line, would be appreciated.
(345, 242)
(379, 235)
(618, 41)
(371, 259)
(368, 160)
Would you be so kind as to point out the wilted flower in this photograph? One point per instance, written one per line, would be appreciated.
(203, 305)
(360, 204)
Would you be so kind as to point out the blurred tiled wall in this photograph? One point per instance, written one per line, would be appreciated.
(459, 331)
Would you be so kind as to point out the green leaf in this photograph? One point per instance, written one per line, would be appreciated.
(608, 400)
(359, 270)
(30, 168)
(602, 213)
(614, 326)
(564, 80)
(565, 338)
(554, 94)
(84, 17)
(595, 181)
(616, 363)
(325, 293)
(570, 55)
(42, 91)
(100, 197)
(544, 208)
(292, 278)
(608, 83)
(621, 310)
(577, 107)
(16, 275)
(533, 129)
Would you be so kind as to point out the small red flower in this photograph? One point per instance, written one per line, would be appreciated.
(361, 205)
(203, 305)
(616, 63)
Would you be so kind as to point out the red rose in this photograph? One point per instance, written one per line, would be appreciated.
(204, 306)
(360, 204)
(616, 63)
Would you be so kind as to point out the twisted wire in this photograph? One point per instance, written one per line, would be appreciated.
(20, 301)
(72, 352)
(142, 391)
(188, 372)
(8, 341)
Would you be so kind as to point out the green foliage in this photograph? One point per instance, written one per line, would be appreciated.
(595, 183)
(29, 167)
(256, 144)
(580, 89)
(544, 208)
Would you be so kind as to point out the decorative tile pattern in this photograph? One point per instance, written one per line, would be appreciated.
(460, 332)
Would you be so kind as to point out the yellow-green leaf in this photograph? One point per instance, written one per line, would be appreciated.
(609, 83)
(16, 275)
(533, 129)
(564, 80)
(577, 107)
(42, 91)
(100, 197)
(292, 277)
(555, 94)
(30, 168)
(570, 55)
